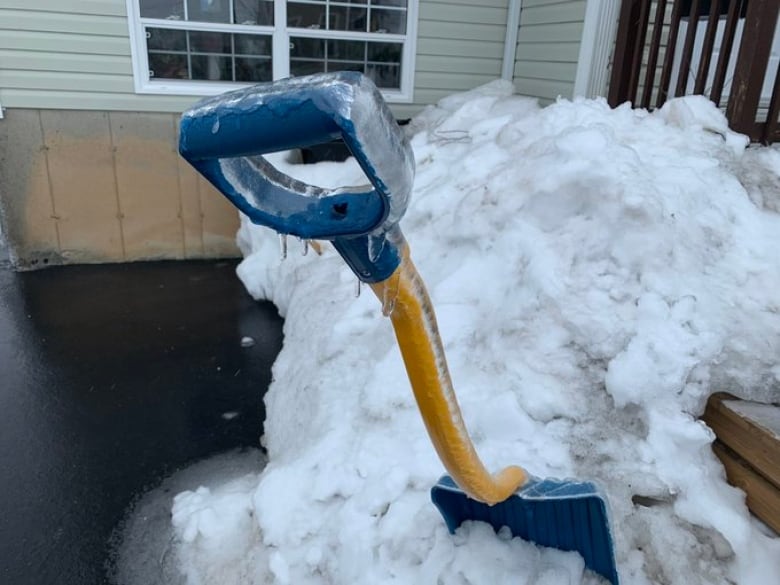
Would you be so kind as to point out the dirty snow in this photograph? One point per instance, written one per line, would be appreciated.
(597, 273)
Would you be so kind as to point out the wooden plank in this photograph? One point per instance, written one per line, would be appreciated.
(760, 448)
(666, 72)
(81, 169)
(147, 179)
(726, 46)
(641, 35)
(752, 63)
(772, 126)
(687, 53)
(653, 52)
(763, 498)
(620, 89)
(707, 47)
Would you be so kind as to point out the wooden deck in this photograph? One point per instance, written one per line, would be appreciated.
(748, 444)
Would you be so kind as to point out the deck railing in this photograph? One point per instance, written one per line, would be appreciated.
(728, 50)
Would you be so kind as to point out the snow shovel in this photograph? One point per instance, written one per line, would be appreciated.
(224, 138)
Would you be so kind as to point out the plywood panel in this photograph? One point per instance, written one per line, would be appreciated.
(220, 222)
(81, 169)
(191, 214)
(147, 178)
(29, 217)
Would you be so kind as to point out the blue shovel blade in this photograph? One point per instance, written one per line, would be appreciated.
(567, 515)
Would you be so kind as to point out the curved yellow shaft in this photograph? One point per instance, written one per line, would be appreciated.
(405, 299)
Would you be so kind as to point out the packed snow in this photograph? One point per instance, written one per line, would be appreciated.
(597, 273)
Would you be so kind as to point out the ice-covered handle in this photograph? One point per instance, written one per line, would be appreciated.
(224, 138)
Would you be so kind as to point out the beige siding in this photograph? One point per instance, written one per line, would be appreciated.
(76, 54)
(548, 45)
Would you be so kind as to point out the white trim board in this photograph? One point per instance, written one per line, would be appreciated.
(598, 39)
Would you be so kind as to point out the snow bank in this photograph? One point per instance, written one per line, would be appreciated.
(597, 273)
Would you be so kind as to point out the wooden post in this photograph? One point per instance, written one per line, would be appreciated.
(752, 62)
(625, 58)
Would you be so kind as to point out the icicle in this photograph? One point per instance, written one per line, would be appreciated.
(305, 247)
(283, 246)
(388, 304)
(357, 289)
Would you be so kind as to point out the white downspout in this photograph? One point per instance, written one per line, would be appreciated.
(510, 41)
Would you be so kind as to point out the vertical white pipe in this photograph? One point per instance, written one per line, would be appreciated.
(510, 40)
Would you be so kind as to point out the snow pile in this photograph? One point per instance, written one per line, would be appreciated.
(597, 274)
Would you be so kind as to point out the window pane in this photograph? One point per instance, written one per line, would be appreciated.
(210, 42)
(171, 9)
(346, 66)
(385, 76)
(163, 39)
(347, 50)
(307, 48)
(385, 52)
(168, 66)
(253, 12)
(254, 45)
(253, 69)
(305, 15)
(298, 67)
(211, 68)
(348, 18)
(389, 3)
(208, 10)
(388, 21)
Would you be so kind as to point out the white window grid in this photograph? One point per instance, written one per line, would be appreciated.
(280, 34)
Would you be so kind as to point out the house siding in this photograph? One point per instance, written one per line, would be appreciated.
(548, 45)
(52, 57)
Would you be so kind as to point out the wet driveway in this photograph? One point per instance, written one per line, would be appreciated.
(111, 377)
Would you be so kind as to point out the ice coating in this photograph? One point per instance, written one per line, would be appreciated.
(405, 299)
(300, 111)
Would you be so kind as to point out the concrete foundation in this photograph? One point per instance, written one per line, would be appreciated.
(88, 187)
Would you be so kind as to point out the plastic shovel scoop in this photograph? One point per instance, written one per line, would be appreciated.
(224, 138)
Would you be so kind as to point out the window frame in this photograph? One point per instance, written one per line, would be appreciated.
(280, 35)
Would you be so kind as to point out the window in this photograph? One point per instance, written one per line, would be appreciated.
(204, 47)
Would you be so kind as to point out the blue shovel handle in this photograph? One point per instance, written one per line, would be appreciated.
(224, 138)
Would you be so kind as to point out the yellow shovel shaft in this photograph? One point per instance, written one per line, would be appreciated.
(406, 300)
